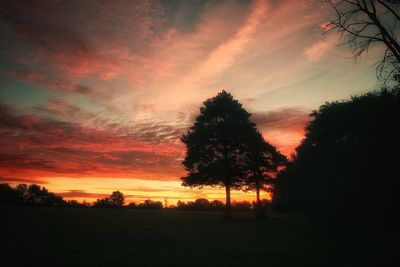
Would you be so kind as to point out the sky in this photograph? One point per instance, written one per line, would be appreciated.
(94, 95)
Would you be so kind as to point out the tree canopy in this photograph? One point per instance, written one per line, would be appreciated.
(115, 200)
(346, 166)
(216, 145)
(263, 162)
(32, 195)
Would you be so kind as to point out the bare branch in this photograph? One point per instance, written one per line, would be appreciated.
(360, 26)
(391, 10)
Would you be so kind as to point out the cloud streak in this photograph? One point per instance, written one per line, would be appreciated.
(104, 89)
(47, 146)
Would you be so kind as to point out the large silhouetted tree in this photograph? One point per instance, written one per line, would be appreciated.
(263, 161)
(347, 165)
(216, 147)
(363, 23)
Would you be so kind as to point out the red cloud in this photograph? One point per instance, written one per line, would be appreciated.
(71, 40)
(52, 147)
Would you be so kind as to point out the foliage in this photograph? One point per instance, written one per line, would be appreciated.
(75, 204)
(115, 200)
(216, 145)
(347, 164)
(242, 205)
(132, 205)
(202, 204)
(9, 196)
(33, 195)
(150, 204)
(263, 161)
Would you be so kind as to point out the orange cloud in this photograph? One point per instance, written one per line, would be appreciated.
(284, 128)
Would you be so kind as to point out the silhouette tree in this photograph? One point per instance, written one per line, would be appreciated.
(9, 196)
(347, 166)
(116, 199)
(241, 206)
(216, 205)
(363, 23)
(32, 195)
(202, 204)
(150, 204)
(102, 203)
(132, 205)
(263, 163)
(23, 194)
(215, 145)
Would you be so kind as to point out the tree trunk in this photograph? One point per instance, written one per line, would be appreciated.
(260, 212)
(228, 202)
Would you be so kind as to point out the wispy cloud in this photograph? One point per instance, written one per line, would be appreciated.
(106, 88)
(317, 50)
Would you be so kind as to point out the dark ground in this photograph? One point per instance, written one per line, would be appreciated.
(123, 237)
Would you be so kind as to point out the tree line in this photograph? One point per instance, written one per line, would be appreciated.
(32, 195)
(37, 196)
(204, 204)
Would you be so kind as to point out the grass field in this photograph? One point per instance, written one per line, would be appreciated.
(122, 237)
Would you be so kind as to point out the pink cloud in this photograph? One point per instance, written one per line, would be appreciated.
(284, 128)
(317, 50)
(51, 147)
(104, 41)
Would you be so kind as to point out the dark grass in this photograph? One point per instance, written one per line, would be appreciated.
(123, 237)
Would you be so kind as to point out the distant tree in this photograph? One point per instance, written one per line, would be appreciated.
(32, 195)
(217, 205)
(242, 206)
(202, 204)
(216, 145)
(150, 204)
(102, 203)
(181, 205)
(76, 204)
(116, 199)
(9, 196)
(35, 195)
(263, 161)
(132, 205)
(23, 193)
(52, 200)
(363, 23)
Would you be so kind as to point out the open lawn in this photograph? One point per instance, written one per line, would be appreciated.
(123, 237)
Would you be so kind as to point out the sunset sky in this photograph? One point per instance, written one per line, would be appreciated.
(94, 95)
